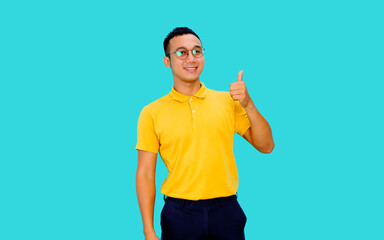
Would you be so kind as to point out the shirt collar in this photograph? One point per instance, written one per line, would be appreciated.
(202, 93)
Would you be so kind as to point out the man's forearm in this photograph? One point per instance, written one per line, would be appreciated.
(261, 132)
(146, 192)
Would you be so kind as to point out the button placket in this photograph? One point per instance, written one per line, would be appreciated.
(193, 108)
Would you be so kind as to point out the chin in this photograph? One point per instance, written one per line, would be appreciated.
(192, 78)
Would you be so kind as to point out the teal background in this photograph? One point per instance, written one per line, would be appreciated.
(74, 76)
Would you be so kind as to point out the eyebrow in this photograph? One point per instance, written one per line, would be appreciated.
(182, 47)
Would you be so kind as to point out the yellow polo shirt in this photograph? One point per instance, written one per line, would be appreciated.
(194, 136)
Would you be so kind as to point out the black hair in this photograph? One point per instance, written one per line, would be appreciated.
(176, 32)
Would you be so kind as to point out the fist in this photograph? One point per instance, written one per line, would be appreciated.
(239, 91)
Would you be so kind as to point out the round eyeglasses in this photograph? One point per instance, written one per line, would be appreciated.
(182, 53)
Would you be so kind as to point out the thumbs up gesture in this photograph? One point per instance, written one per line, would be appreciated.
(239, 91)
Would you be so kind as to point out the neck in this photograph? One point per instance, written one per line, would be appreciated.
(187, 88)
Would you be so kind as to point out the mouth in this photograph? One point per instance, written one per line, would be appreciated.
(190, 69)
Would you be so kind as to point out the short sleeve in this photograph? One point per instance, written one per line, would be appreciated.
(147, 139)
(242, 123)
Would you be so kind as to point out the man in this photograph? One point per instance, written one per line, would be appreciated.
(192, 128)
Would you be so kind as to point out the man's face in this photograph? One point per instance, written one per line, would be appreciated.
(189, 69)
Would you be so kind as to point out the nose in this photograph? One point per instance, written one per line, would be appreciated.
(190, 56)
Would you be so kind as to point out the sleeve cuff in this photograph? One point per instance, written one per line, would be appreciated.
(147, 149)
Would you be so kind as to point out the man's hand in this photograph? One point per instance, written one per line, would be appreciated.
(151, 237)
(239, 91)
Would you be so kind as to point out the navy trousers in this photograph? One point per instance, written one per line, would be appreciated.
(211, 219)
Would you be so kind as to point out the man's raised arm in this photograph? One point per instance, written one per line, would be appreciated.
(259, 134)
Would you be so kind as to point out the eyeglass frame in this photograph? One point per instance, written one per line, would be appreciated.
(202, 51)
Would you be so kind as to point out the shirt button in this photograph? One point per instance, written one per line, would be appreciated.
(190, 99)
(193, 111)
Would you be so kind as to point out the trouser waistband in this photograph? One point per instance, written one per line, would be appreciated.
(203, 202)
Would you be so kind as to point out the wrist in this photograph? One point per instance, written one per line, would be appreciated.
(249, 106)
(149, 232)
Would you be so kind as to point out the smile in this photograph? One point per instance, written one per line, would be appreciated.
(190, 69)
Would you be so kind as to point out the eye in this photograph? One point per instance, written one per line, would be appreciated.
(181, 53)
(197, 51)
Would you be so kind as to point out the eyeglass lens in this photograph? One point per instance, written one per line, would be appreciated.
(183, 53)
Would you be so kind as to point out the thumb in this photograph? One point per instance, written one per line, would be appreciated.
(240, 76)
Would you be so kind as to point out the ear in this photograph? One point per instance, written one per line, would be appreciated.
(167, 62)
